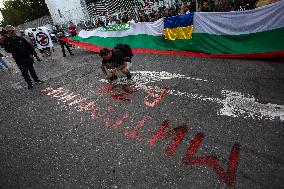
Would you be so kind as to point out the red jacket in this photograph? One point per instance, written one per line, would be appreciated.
(72, 30)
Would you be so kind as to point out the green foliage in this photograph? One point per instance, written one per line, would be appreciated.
(17, 12)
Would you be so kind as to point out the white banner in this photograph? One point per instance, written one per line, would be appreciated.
(148, 28)
(42, 38)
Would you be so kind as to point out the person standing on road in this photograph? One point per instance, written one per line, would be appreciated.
(72, 29)
(28, 38)
(43, 42)
(22, 34)
(22, 52)
(61, 34)
(3, 63)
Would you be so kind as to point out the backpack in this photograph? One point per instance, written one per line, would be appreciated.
(125, 49)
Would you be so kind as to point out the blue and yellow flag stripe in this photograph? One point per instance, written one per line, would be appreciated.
(178, 27)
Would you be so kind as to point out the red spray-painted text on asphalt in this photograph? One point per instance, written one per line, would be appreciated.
(98, 111)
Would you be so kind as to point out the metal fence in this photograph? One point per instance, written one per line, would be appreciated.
(43, 21)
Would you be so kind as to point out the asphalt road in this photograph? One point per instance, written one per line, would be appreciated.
(183, 122)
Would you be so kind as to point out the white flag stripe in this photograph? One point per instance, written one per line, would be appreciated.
(244, 22)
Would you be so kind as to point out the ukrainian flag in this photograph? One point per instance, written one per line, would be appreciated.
(178, 27)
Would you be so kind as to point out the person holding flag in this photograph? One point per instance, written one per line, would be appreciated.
(43, 41)
(61, 34)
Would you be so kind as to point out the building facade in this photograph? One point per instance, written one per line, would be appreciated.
(65, 11)
(113, 8)
(89, 10)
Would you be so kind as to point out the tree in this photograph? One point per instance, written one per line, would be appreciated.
(17, 12)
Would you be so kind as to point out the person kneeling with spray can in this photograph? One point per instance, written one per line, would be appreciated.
(117, 59)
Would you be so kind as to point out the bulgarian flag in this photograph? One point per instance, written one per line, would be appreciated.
(257, 33)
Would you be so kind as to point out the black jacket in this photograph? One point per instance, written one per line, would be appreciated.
(19, 47)
(117, 59)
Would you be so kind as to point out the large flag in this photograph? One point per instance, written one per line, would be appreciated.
(257, 33)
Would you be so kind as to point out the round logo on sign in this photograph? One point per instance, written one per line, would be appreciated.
(42, 39)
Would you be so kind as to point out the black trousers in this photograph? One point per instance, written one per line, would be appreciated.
(26, 66)
(62, 44)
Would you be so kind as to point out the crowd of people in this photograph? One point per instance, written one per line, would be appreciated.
(23, 47)
(178, 8)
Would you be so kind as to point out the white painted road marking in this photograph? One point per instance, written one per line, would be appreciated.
(149, 76)
(234, 104)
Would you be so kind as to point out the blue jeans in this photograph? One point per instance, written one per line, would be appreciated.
(3, 63)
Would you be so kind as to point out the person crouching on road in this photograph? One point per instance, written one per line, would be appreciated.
(114, 61)
(22, 52)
